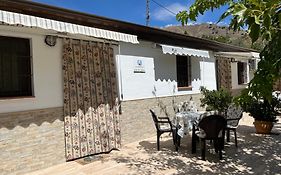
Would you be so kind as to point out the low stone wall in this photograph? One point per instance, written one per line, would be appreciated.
(31, 140)
(136, 120)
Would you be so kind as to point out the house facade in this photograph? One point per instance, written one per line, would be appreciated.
(70, 87)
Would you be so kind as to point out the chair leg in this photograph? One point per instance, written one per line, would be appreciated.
(179, 141)
(228, 135)
(174, 134)
(193, 140)
(158, 141)
(220, 146)
(203, 148)
(176, 137)
(216, 142)
(220, 154)
(235, 135)
(223, 138)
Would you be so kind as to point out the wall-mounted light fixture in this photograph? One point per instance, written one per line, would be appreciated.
(51, 40)
(233, 60)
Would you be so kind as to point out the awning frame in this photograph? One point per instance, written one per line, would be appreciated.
(175, 50)
(15, 19)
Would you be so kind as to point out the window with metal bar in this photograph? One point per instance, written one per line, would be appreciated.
(184, 71)
(15, 67)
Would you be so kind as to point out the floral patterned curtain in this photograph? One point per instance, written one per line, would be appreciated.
(90, 98)
(224, 73)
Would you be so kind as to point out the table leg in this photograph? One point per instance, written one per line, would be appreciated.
(176, 139)
(194, 139)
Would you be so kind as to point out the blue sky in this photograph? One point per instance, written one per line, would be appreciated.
(134, 10)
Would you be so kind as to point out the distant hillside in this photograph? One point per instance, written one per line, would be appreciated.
(217, 33)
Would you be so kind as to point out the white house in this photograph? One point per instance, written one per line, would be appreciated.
(148, 67)
(65, 76)
(242, 65)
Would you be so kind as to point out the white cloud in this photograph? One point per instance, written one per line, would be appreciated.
(223, 23)
(170, 25)
(162, 14)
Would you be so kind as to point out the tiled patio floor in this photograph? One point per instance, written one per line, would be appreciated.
(256, 154)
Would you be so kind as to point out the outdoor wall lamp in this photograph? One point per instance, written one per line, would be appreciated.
(51, 40)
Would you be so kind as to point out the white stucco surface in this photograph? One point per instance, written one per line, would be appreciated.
(160, 72)
(47, 73)
(208, 72)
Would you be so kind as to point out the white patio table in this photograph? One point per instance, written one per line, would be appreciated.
(188, 121)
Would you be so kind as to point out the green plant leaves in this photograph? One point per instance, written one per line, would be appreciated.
(267, 21)
(263, 19)
(254, 32)
(215, 100)
(258, 15)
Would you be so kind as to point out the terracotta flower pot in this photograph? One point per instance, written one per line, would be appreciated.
(263, 127)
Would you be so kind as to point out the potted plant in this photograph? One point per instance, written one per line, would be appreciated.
(263, 110)
(215, 100)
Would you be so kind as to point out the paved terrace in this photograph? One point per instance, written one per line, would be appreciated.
(256, 154)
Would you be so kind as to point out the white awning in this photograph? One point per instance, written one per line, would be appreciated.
(239, 55)
(184, 51)
(12, 18)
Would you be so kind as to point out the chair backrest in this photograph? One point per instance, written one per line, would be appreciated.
(213, 126)
(233, 115)
(155, 119)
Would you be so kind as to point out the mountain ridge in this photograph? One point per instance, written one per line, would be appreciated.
(218, 33)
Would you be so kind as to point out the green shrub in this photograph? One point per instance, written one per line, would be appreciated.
(218, 100)
(260, 109)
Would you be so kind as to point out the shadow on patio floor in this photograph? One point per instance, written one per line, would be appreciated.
(256, 154)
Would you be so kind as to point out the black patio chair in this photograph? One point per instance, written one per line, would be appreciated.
(212, 128)
(233, 115)
(164, 125)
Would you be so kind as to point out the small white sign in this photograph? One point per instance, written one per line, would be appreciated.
(139, 67)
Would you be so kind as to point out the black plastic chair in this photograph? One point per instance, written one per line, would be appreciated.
(164, 125)
(212, 128)
(233, 115)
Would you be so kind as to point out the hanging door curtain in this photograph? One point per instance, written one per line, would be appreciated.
(224, 73)
(90, 98)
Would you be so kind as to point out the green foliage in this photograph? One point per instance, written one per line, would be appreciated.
(261, 86)
(263, 20)
(215, 100)
(259, 109)
(258, 99)
(262, 17)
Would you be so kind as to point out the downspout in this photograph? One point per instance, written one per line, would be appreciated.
(120, 80)
(202, 78)
(120, 73)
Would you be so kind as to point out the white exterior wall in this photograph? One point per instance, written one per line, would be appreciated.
(47, 72)
(234, 75)
(160, 72)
